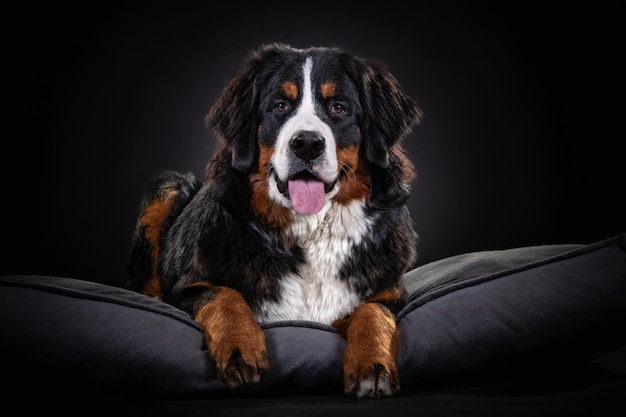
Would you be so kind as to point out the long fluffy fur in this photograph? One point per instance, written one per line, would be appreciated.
(233, 252)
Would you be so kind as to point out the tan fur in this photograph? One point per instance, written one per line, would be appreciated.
(371, 350)
(151, 221)
(272, 214)
(355, 184)
(328, 90)
(290, 89)
(235, 340)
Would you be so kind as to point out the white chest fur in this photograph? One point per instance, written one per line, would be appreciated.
(317, 293)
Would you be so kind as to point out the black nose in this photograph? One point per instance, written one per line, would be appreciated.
(307, 145)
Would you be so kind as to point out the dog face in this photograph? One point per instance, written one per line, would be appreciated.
(306, 123)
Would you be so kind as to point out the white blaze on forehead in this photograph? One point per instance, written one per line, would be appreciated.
(305, 119)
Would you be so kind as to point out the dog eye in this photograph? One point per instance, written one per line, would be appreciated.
(337, 108)
(281, 107)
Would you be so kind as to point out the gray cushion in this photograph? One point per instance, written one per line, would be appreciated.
(466, 312)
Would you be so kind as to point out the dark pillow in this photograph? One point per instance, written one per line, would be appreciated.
(466, 311)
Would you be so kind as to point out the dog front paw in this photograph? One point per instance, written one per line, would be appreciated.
(371, 381)
(235, 341)
(369, 360)
(240, 366)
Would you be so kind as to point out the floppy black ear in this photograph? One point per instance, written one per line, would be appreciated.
(234, 117)
(389, 114)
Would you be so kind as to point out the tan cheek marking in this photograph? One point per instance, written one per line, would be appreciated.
(290, 89)
(271, 213)
(328, 90)
(151, 221)
(355, 184)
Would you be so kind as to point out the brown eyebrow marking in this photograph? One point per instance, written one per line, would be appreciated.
(328, 89)
(290, 89)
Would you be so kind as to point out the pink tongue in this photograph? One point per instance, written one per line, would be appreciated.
(307, 195)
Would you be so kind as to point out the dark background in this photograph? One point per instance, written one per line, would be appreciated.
(519, 144)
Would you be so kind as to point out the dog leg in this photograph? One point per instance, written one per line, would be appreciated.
(369, 361)
(234, 339)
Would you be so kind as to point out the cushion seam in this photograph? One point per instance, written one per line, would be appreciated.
(79, 294)
(440, 292)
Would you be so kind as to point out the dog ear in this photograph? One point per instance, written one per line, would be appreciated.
(389, 114)
(233, 116)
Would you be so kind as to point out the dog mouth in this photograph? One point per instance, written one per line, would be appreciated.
(306, 192)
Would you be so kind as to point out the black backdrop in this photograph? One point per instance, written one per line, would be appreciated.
(519, 144)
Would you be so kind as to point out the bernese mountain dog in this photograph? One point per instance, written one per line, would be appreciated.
(302, 215)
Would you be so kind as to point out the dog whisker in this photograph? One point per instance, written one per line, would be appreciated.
(348, 170)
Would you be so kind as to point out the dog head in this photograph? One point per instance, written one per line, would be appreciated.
(310, 125)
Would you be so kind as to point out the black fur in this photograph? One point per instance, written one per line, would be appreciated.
(213, 235)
